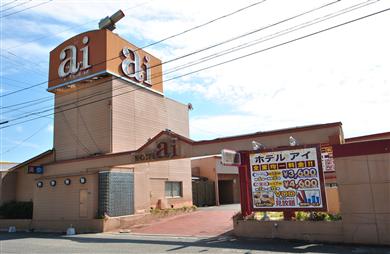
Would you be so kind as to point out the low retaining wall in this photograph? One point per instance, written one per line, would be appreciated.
(59, 226)
(324, 231)
(126, 222)
(81, 226)
(88, 226)
(20, 224)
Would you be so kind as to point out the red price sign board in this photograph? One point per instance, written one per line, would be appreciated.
(290, 179)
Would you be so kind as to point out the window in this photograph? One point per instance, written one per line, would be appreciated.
(173, 189)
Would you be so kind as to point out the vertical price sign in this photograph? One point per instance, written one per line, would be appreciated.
(287, 180)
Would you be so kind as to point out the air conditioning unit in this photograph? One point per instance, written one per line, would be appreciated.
(230, 158)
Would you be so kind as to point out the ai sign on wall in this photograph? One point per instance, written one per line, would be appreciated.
(287, 180)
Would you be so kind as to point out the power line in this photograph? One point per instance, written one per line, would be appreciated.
(289, 30)
(255, 31)
(26, 102)
(226, 41)
(204, 24)
(215, 45)
(72, 28)
(87, 129)
(225, 62)
(23, 89)
(28, 8)
(169, 37)
(234, 49)
(74, 136)
(229, 40)
(24, 140)
(8, 3)
(12, 7)
(23, 66)
(284, 43)
(271, 36)
(18, 86)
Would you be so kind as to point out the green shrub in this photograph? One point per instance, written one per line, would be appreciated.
(334, 217)
(317, 216)
(168, 211)
(17, 210)
(302, 216)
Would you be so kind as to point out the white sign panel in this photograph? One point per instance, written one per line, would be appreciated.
(287, 180)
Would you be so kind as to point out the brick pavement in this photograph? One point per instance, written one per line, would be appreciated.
(204, 222)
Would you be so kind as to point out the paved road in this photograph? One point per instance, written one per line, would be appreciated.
(124, 243)
(206, 221)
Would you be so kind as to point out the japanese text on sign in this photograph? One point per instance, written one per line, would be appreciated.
(288, 179)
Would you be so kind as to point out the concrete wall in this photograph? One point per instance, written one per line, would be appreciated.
(363, 178)
(19, 224)
(124, 120)
(81, 226)
(138, 114)
(207, 167)
(83, 131)
(62, 202)
(18, 185)
(364, 186)
(25, 183)
(333, 200)
(331, 135)
(150, 181)
(323, 231)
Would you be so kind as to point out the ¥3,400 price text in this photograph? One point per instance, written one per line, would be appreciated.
(301, 184)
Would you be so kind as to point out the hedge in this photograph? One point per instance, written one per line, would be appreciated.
(16, 210)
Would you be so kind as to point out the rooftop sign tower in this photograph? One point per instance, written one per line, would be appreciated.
(100, 53)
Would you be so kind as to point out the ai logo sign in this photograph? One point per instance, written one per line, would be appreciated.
(133, 66)
(68, 57)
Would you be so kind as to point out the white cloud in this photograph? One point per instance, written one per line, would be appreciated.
(340, 75)
(19, 128)
(50, 128)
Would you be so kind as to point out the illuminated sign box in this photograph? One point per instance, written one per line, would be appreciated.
(35, 169)
(283, 180)
(101, 52)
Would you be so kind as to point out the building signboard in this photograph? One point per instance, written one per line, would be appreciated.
(327, 158)
(162, 150)
(91, 54)
(288, 179)
(35, 169)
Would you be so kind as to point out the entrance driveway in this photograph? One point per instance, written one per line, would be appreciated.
(205, 222)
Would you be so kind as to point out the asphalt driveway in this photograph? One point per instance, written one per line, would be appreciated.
(31, 243)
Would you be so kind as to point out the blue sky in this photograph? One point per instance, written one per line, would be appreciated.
(340, 75)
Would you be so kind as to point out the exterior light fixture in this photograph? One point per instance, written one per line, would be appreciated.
(53, 183)
(257, 145)
(293, 141)
(39, 184)
(67, 181)
(109, 22)
(83, 180)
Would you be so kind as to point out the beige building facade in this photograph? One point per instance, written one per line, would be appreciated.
(121, 147)
(108, 100)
